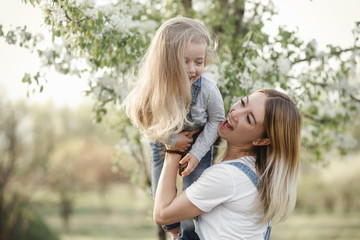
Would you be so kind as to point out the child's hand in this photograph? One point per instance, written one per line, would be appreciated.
(184, 140)
(188, 164)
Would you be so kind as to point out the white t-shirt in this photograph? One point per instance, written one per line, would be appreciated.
(226, 195)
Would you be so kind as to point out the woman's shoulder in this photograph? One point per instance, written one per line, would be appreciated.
(223, 169)
(233, 170)
(218, 170)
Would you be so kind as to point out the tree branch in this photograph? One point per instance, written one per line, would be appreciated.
(239, 15)
(335, 53)
(354, 98)
(187, 5)
(224, 5)
(318, 120)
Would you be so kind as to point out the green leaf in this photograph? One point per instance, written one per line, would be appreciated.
(26, 78)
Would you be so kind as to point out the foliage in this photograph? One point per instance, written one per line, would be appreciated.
(104, 41)
(328, 189)
(18, 170)
(30, 226)
(81, 158)
(45, 146)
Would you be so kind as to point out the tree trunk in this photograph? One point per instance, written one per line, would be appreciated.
(66, 207)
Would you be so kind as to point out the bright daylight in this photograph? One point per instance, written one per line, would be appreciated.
(192, 119)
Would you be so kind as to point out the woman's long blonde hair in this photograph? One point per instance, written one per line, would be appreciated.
(159, 102)
(278, 163)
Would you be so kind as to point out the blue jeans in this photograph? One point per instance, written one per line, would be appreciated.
(187, 228)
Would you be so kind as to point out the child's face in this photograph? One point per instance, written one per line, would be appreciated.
(195, 60)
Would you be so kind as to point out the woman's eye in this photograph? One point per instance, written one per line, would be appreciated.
(248, 119)
(199, 63)
(242, 102)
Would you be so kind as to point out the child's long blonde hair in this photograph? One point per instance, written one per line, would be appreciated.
(159, 102)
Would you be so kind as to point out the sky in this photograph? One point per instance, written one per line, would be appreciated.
(326, 21)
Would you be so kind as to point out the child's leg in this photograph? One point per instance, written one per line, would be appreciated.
(157, 156)
(204, 163)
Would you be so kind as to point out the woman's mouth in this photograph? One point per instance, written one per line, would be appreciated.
(227, 124)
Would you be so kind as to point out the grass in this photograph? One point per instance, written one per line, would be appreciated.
(125, 214)
(318, 226)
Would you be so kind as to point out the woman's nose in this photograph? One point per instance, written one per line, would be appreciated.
(235, 113)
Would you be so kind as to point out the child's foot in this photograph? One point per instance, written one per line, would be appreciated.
(174, 235)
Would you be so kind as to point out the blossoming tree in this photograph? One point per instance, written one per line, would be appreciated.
(103, 41)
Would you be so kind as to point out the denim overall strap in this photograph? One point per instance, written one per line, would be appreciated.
(253, 177)
(195, 89)
(250, 173)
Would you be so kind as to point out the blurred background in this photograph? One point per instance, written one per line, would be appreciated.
(72, 167)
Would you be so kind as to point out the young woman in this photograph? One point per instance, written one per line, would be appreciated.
(171, 95)
(262, 132)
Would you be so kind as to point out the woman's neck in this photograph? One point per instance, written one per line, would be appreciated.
(235, 153)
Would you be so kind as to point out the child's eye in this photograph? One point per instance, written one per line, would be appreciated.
(199, 63)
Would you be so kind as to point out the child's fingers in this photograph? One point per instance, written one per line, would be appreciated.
(182, 167)
(184, 160)
(187, 171)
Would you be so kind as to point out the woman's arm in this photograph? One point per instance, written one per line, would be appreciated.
(168, 207)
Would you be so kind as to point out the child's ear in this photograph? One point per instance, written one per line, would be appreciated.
(261, 142)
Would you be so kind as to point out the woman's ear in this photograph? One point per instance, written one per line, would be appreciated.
(261, 142)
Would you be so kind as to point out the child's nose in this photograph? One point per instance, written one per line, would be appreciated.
(191, 68)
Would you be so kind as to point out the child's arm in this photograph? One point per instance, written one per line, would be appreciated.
(216, 114)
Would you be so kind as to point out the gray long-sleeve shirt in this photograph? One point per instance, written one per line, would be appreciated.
(207, 112)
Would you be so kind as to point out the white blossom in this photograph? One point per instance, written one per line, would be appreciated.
(259, 84)
(345, 141)
(201, 6)
(284, 65)
(263, 66)
(306, 132)
(86, 2)
(149, 25)
(313, 44)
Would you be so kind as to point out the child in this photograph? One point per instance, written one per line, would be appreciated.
(172, 103)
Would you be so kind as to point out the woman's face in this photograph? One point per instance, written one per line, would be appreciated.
(244, 122)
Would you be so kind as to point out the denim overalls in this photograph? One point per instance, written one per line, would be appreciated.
(187, 228)
(250, 173)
